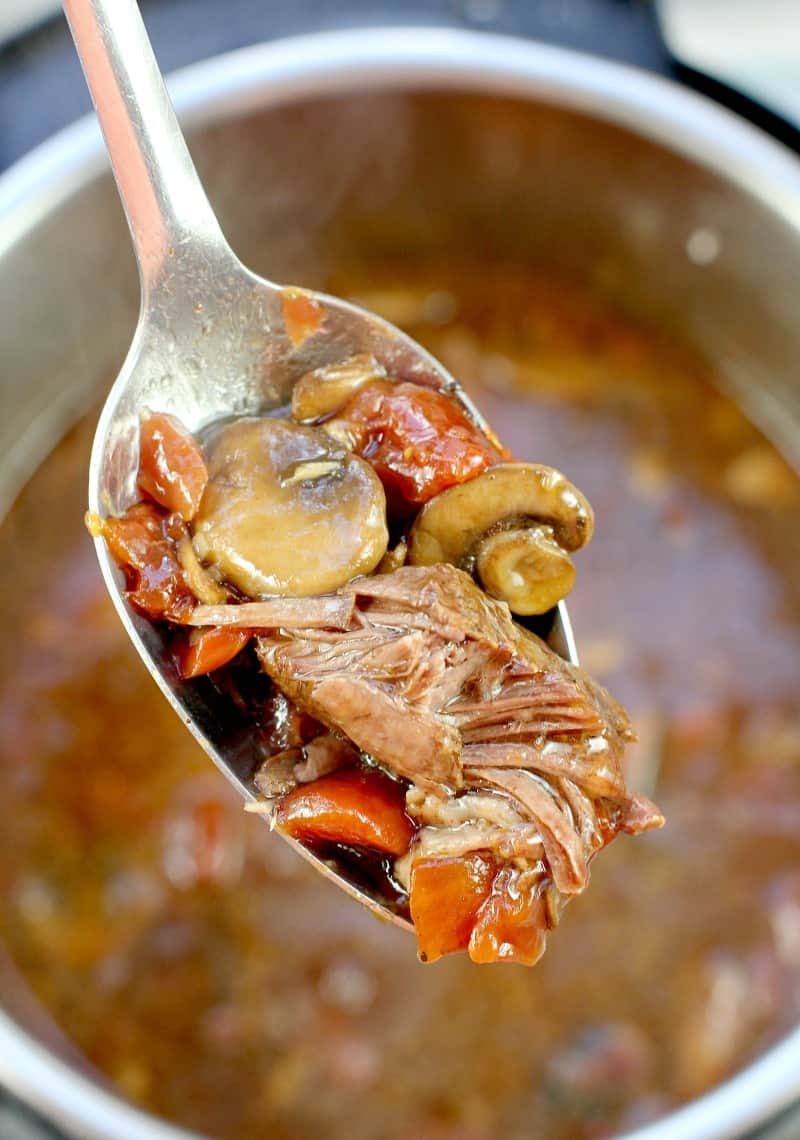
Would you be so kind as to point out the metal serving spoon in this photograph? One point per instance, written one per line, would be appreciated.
(212, 340)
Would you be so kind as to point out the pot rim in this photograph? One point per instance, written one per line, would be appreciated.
(402, 58)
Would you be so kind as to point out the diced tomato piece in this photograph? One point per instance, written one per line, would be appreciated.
(172, 469)
(352, 806)
(419, 441)
(511, 926)
(144, 543)
(205, 650)
(446, 895)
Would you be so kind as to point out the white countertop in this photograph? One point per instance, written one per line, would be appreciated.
(18, 15)
(753, 45)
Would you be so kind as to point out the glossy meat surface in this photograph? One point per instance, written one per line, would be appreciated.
(430, 664)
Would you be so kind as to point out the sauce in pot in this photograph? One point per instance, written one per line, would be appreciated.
(217, 980)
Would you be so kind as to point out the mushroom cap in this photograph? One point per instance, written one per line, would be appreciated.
(288, 511)
(324, 391)
(509, 495)
(525, 568)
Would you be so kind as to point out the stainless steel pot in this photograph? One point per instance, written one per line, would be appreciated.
(675, 207)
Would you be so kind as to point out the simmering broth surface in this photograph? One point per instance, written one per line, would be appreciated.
(218, 981)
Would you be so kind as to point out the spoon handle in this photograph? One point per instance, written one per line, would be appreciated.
(169, 215)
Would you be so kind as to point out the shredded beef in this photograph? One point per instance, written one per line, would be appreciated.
(322, 755)
(434, 681)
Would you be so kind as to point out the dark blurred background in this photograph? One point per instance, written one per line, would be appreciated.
(740, 59)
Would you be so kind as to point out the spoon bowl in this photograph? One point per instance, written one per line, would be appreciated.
(213, 340)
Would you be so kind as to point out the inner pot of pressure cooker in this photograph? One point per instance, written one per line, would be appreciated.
(616, 310)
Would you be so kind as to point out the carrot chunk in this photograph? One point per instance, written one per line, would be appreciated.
(172, 469)
(352, 806)
(446, 895)
(419, 441)
(511, 925)
(205, 650)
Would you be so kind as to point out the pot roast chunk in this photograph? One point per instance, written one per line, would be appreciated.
(512, 755)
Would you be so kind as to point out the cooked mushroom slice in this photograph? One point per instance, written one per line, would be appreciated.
(393, 559)
(325, 390)
(287, 511)
(478, 526)
(526, 568)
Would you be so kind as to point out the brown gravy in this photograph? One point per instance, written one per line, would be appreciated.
(218, 981)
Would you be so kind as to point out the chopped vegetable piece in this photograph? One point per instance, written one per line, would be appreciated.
(511, 926)
(322, 392)
(203, 585)
(446, 895)
(207, 649)
(144, 542)
(172, 469)
(302, 314)
(352, 806)
(418, 440)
